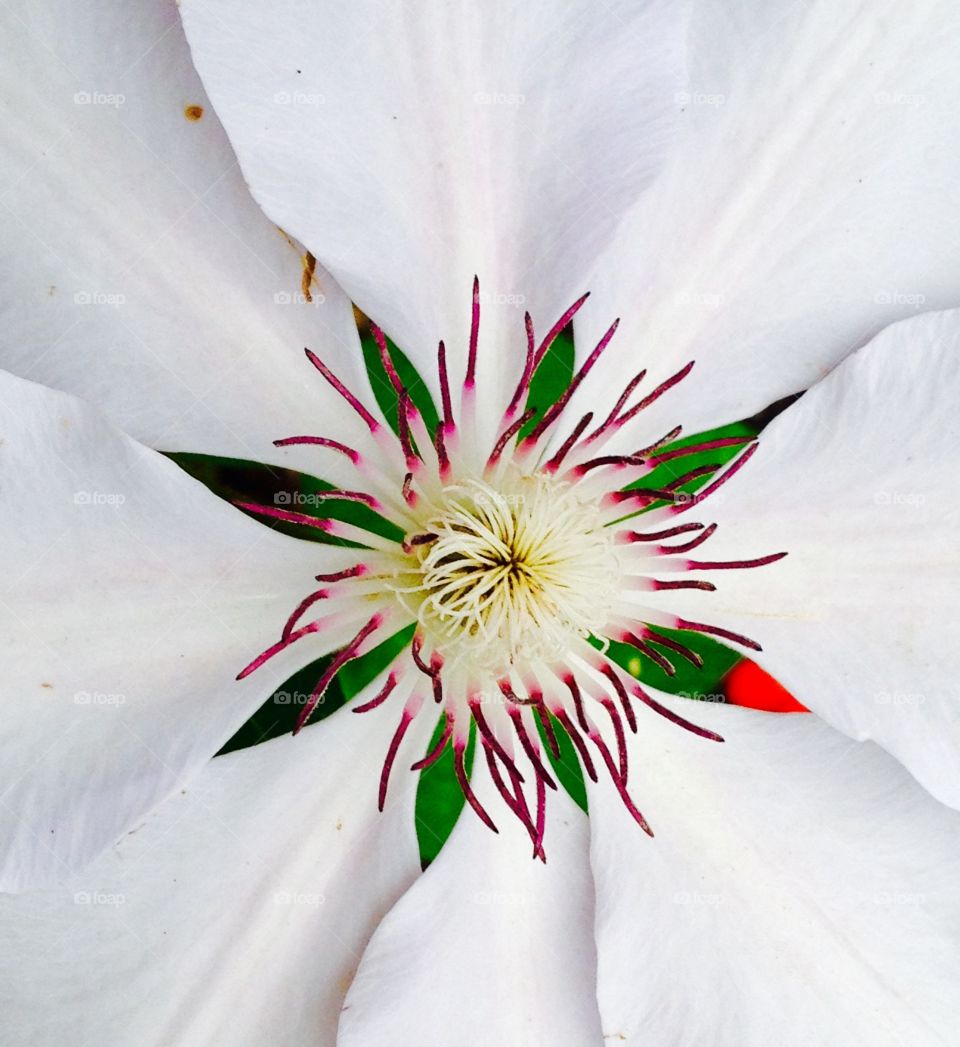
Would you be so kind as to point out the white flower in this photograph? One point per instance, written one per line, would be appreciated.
(801, 886)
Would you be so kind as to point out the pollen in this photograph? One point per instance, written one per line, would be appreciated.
(510, 574)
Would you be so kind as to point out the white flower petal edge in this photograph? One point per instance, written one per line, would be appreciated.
(801, 889)
(139, 272)
(488, 947)
(856, 482)
(130, 599)
(413, 146)
(810, 201)
(236, 914)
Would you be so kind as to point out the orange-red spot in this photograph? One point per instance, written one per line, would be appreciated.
(748, 685)
(193, 112)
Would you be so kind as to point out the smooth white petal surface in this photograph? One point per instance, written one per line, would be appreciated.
(130, 597)
(857, 482)
(488, 947)
(801, 889)
(810, 200)
(236, 913)
(411, 146)
(139, 272)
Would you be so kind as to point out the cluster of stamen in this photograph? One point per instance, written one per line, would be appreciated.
(509, 574)
(517, 568)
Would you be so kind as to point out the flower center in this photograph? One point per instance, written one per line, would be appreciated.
(517, 567)
(513, 573)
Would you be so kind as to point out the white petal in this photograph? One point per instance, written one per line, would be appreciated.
(801, 889)
(130, 599)
(809, 202)
(139, 272)
(855, 482)
(411, 147)
(236, 914)
(488, 947)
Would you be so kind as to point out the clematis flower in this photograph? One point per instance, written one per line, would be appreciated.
(801, 884)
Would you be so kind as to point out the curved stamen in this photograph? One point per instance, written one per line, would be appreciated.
(470, 379)
(682, 583)
(406, 718)
(618, 406)
(567, 445)
(357, 571)
(655, 395)
(728, 565)
(709, 445)
(553, 412)
(508, 434)
(465, 787)
(610, 673)
(543, 714)
(686, 547)
(620, 784)
(607, 703)
(387, 360)
(305, 604)
(561, 325)
(380, 697)
(728, 474)
(444, 386)
(437, 751)
(287, 515)
(656, 536)
(279, 646)
(491, 739)
(515, 801)
(524, 384)
(714, 630)
(372, 424)
(578, 742)
(320, 441)
(347, 654)
(674, 645)
(533, 754)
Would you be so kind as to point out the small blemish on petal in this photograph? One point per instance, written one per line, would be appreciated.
(193, 112)
(309, 268)
(48, 686)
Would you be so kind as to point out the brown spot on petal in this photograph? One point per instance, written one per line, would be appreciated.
(363, 321)
(309, 268)
(193, 112)
(47, 685)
